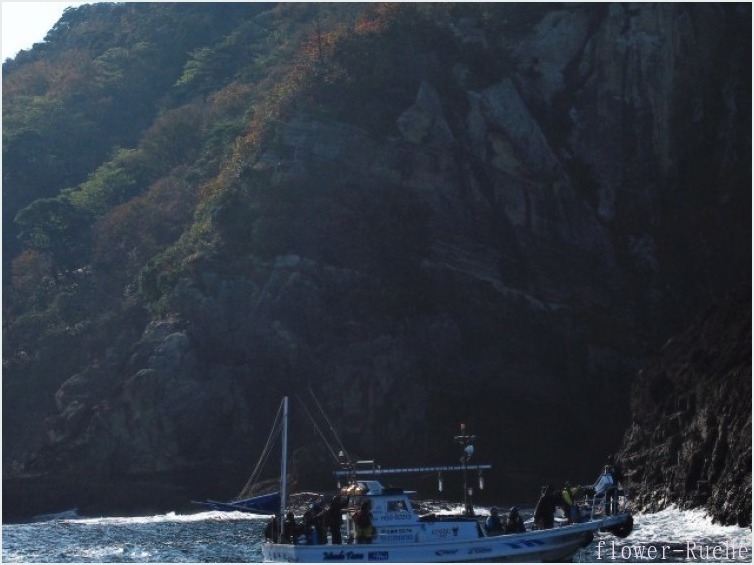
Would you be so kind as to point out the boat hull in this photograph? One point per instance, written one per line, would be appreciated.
(556, 544)
(71, 514)
(263, 504)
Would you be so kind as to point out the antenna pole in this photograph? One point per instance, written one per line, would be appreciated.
(466, 442)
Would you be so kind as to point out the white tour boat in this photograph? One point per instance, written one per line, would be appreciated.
(401, 535)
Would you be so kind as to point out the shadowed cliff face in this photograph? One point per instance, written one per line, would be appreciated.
(690, 439)
(507, 256)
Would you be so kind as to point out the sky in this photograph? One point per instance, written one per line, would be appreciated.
(27, 23)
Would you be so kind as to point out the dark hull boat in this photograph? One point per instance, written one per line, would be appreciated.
(256, 497)
(262, 504)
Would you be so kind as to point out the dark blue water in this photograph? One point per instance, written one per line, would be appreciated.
(211, 537)
(198, 538)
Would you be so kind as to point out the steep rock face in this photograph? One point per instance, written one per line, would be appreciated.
(535, 252)
(690, 439)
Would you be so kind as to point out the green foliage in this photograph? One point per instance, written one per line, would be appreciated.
(204, 70)
(38, 135)
(71, 307)
(112, 183)
(56, 227)
(111, 68)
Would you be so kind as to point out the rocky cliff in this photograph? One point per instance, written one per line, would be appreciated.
(500, 230)
(689, 442)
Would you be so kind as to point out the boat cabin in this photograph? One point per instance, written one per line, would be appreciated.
(396, 521)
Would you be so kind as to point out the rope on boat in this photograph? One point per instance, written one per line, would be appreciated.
(332, 429)
(274, 432)
(317, 428)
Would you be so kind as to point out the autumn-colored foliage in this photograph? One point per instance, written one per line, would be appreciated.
(71, 72)
(29, 271)
(126, 238)
(139, 143)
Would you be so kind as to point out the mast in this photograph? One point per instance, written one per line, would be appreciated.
(284, 464)
(283, 468)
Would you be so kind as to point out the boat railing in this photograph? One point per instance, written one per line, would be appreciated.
(613, 501)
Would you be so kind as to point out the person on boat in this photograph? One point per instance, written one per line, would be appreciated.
(334, 519)
(606, 488)
(314, 528)
(320, 525)
(493, 525)
(568, 500)
(615, 468)
(617, 471)
(271, 531)
(290, 529)
(544, 513)
(362, 520)
(307, 526)
(514, 523)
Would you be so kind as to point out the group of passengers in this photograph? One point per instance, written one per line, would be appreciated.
(318, 521)
(605, 491)
(513, 523)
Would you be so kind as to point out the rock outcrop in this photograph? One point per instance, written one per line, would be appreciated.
(689, 442)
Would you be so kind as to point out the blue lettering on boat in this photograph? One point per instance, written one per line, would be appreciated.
(525, 542)
(532, 542)
(378, 555)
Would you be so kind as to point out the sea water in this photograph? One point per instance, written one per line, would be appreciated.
(673, 536)
(228, 537)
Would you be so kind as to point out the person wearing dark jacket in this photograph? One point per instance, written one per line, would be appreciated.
(514, 524)
(290, 529)
(544, 513)
(493, 525)
(334, 519)
(271, 530)
(314, 525)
